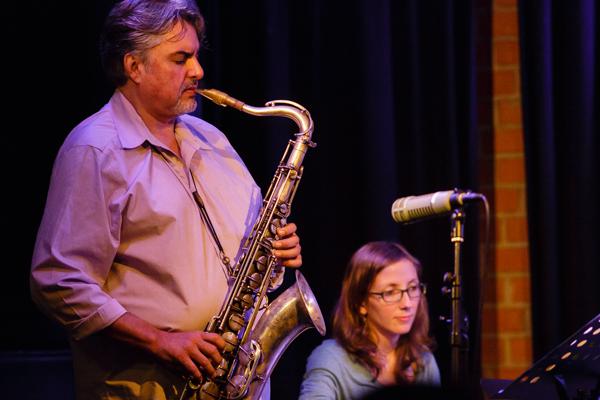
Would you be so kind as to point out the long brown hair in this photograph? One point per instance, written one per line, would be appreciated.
(351, 329)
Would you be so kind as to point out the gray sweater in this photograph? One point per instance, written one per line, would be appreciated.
(332, 374)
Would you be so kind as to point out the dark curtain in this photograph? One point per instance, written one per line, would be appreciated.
(559, 51)
(391, 85)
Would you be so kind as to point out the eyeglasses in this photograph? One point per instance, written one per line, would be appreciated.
(395, 295)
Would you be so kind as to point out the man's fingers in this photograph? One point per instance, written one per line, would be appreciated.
(288, 254)
(287, 243)
(191, 367)
(211, 351)
(197, 352)
(214, 338)
(201, 360)
(287, 230)
(293, 263)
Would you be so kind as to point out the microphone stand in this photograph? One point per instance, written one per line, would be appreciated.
(459, 338)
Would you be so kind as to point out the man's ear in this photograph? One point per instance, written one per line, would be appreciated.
(132, 64)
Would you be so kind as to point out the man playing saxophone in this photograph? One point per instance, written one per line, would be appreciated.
(146, 212)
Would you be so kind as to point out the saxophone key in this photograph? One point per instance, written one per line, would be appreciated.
(222, 369)
(267, 243)
(237, 307)
(254, 280)
(293, 174)
(246, 301)
(209, 391)
(231, 341)
(236, 322)
(235, 384)
(273, 227)
(261, 263)
(284, 209)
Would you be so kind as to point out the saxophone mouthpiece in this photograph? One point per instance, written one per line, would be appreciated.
(221, 98)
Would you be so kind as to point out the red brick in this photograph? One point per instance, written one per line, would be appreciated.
(489, 322)
(511, 259)
(508, 111)
(510, 373)
(489, 370)
(520, 351)
(512, 320)
(492, 292)
(516, 229)
(504, 23)
(506, 82)
(508, 140)
(506, 52)
(505, 3)
(509, 170)
(509, 200)
(519, 289)
(499, 225)
(489, 350)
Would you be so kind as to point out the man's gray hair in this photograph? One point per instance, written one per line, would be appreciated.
(134, 26)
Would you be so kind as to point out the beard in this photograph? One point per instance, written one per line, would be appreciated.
(185, 106)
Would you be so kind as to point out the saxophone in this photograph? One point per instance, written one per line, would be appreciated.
(254, 345)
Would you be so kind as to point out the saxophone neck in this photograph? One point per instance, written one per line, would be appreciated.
(274, 108)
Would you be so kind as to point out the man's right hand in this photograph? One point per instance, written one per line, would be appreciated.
(197, 352)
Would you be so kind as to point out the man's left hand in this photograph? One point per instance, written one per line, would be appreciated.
(287, 248)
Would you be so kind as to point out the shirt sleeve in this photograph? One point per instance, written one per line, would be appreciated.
(321, 380)
(76, 244)
(319, 383)
(431, 372)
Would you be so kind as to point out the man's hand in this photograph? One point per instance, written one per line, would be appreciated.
(287, 248)
(197, 352)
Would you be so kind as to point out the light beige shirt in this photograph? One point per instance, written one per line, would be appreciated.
(122, 232)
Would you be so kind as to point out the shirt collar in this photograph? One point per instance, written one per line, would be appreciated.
(186, 129)
(133, 132)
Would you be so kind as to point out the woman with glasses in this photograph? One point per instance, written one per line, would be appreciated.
(380, 329)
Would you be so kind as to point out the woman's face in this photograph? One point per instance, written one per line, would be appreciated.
(391, 320)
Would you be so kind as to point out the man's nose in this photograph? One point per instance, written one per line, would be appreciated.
(197, 72)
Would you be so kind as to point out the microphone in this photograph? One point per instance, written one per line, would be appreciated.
(412, 208)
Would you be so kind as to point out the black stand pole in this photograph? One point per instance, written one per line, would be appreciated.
(459, 339)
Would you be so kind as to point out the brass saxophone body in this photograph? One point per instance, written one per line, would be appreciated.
(253, 344)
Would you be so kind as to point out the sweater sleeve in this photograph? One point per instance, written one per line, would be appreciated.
(431, 373)
(319, 383)
(332, 374)
(320, 380)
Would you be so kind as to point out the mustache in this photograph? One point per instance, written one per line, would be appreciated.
(192, 85)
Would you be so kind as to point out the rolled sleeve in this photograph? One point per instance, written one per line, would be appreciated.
(77, 243)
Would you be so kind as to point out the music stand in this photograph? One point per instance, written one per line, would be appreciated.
(570, 371)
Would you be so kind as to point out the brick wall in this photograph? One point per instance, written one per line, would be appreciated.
(506, 341)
